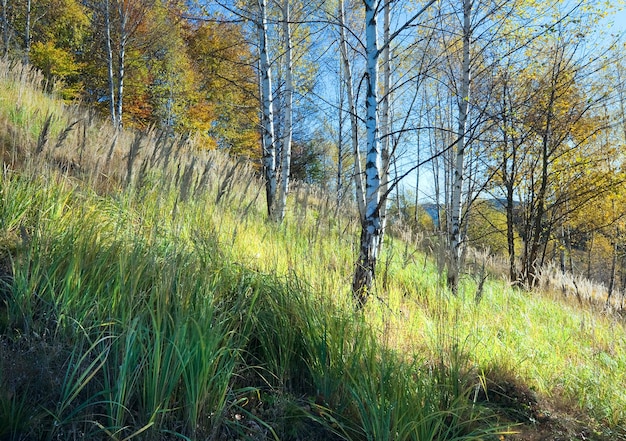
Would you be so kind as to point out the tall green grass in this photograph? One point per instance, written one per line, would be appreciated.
(163, 305)
(167, 335)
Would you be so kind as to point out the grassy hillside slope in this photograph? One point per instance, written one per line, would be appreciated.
(145, 296)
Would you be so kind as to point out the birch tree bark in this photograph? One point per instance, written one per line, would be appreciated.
(285, 151)
(116, 68)
(121, 19)
(27, 31)
(456, 207)
(267, 111)
(123, 10)
(110, 67)
(385, 119)
(371, 226)
(354, 128)
(375, 198)
(340, 140)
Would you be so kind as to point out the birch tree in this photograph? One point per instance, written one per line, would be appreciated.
(352, 110)
(487, 34)
(6, 28)
(385, 117)
(279, 62)
(371, 227)
(375, 197)
(267, 110)
(285, 150)
(110, 66)
(121, 19)
(481, 23)
(276, 147)
(455, 212)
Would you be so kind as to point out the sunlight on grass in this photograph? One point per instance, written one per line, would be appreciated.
(183, 311)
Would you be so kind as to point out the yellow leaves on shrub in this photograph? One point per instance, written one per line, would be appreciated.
(56, 65)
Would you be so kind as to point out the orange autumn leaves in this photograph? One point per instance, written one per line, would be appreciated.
(181, 75)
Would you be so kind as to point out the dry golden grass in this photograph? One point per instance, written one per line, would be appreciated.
(161, 188)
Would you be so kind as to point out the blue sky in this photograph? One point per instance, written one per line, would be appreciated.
(618, 26)
(619, 20)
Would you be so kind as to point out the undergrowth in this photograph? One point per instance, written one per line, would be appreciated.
(153, 331)
(145, 296)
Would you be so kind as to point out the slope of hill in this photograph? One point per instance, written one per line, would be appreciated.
(145, 296)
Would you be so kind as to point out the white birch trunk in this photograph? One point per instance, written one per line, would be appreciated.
(340, 139)
(454, 231)
(371, 227)
(111, 78)
(27, 32)
(5, 29)
(354, 131)
(385, 120)
(285, 154)
(124, 35)
(267, 114)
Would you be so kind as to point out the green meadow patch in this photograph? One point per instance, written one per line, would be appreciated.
(147, 297)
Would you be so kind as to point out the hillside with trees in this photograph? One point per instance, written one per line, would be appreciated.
(452, 102)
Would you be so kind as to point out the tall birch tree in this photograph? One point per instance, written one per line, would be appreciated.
(277, 144)
(110, 65)
(385, 116)
(371, 230)
(463, 100)
(352, 110)
(483, 26)
(287, 135)
(267, 110)
(121, 19)
(375, 197)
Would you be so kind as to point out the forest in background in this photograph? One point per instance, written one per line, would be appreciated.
(506, 116)
(144, 63)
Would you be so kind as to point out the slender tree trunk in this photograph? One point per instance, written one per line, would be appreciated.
(613, 273)
(340, 139)
(510, 233)
(456, 207)
(124, 35)
(354, 128)
(267, 105)
(436, 170)
(27, 32)
(110, 67)
(417, 183)
(371, 226)
(563, 251)
(508, 177)
(589, 254)
(614, 260)
(285, 153)
(570, 259)
(385, 119)
(6, 35)
(622, 276)
(536, 232)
